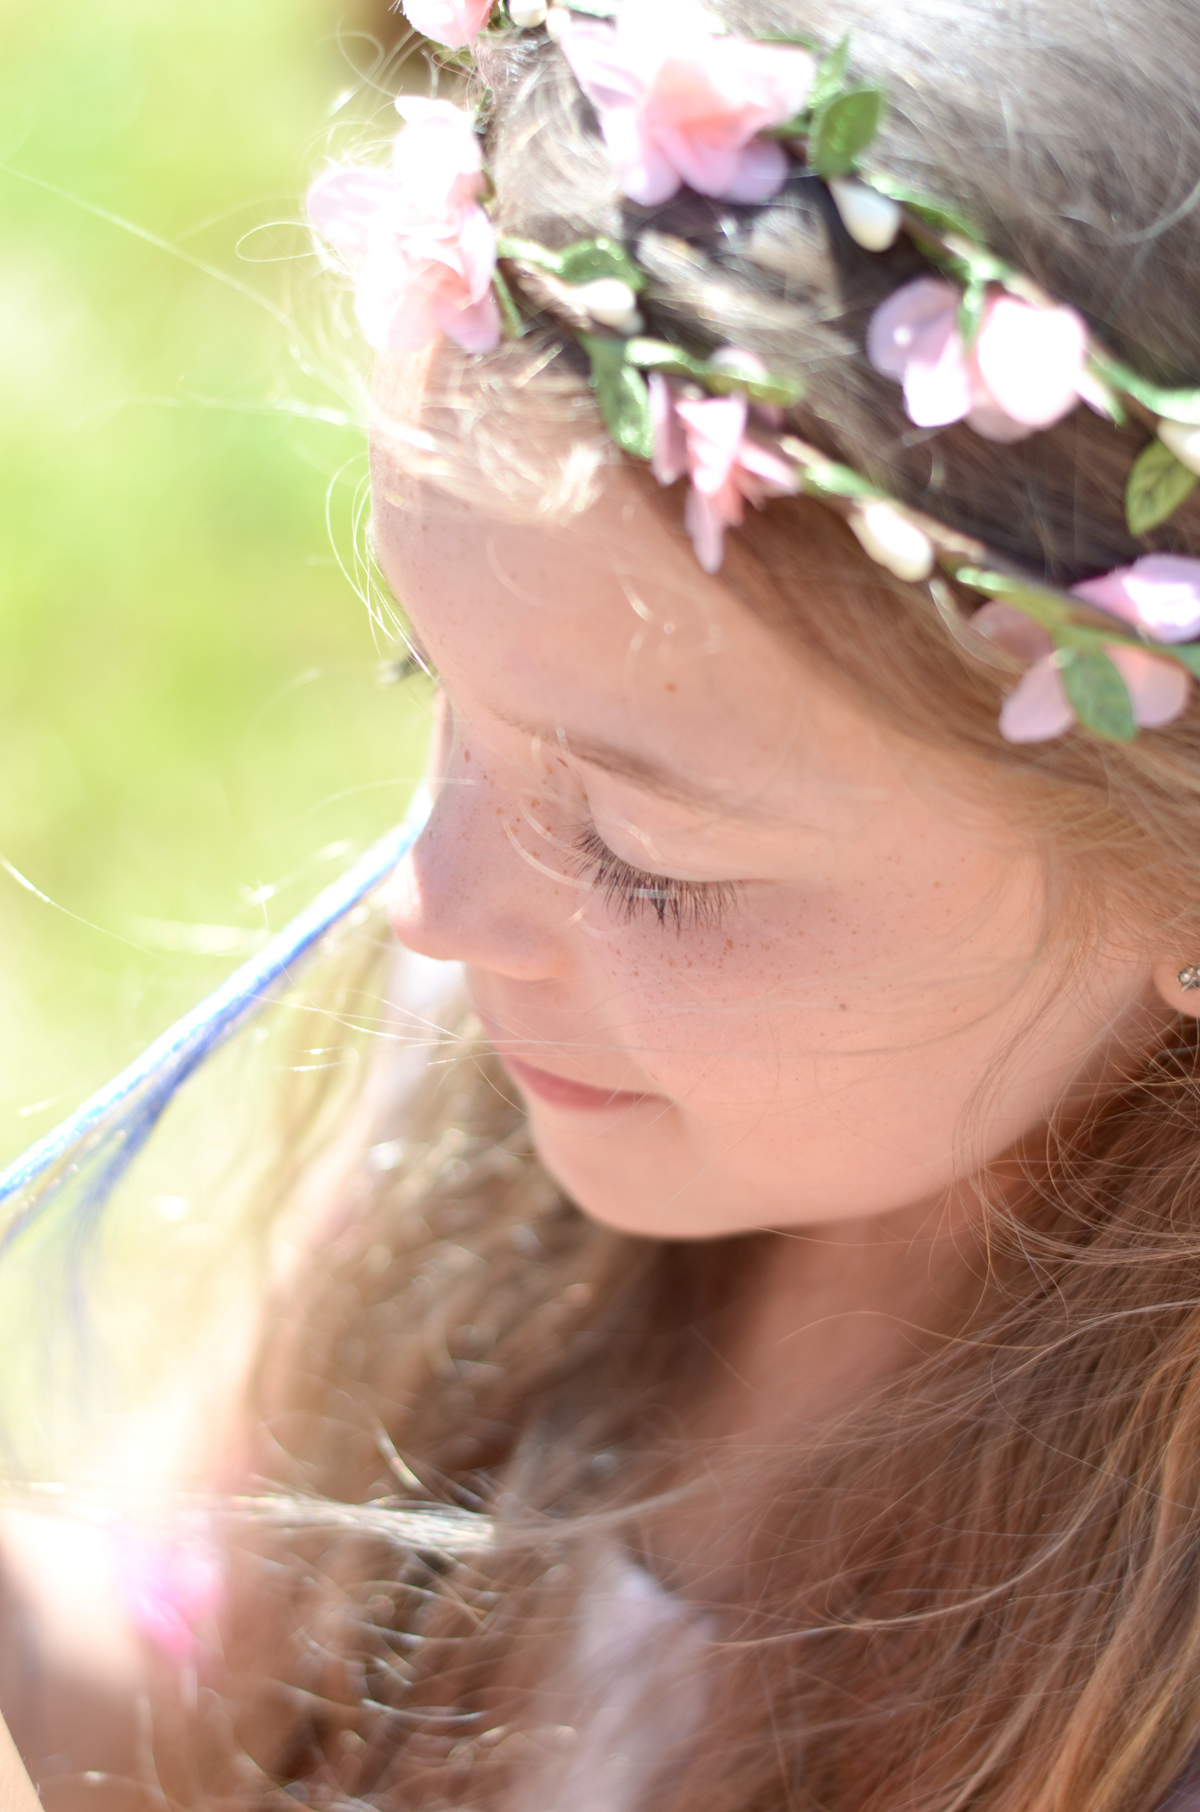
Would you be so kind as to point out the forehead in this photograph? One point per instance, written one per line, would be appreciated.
(605, 631)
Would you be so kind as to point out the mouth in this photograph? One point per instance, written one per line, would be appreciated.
(560, 1091)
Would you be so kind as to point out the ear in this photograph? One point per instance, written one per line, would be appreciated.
(1179, 986)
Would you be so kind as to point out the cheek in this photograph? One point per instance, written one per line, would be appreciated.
(796, 985)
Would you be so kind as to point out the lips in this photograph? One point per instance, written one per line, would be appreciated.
(556, 1090)
(560, 1092)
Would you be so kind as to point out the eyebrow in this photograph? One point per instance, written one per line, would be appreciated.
(651, 776)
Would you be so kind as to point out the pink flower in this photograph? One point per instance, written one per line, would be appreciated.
(170, 1587)
(1025, 371)
(679, 104)
(425, 247)
(450, 22)
(1160, 593)
(706, 439)
(1038, 708)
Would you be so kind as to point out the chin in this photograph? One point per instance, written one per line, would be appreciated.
(635, 1184)
(647, 1180)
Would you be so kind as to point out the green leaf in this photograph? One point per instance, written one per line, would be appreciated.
(589, 259)
(832, 480)
(660, 355)
(981, 267)
(673, 361)
(843, 129)
(511, 320)
(1158, 484)
(970, 312)
(528, 251)
(1186, 653)
(1172, 405)
(966, 265)
(939, 215)
(581, 262)
(830, 78)
(622, 394)
(994, 585)
(1098, 694)
(804, 39)
(1051, 611)
(828, 83)
(775, 392)
(1104, 399)
(595, 9)
(969, 259)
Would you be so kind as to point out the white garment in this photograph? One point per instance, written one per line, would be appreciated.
(631, 1696)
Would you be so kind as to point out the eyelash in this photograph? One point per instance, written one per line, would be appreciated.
(690, 905)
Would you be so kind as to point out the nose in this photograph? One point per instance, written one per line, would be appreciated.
(466, 893)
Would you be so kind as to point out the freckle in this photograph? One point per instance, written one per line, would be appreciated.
(842, 1007)
(671, 686)
(466, 756)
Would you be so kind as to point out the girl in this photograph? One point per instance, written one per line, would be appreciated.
(757, 1365)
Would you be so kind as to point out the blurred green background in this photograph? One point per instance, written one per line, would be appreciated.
(193, 733)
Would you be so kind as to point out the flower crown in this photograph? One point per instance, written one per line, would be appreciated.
(681, 103)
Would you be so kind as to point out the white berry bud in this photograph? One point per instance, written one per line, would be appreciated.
(527, 14)
(608, 301)
(1183, 441)
(871, 219)
(738, 362)
(892, 540)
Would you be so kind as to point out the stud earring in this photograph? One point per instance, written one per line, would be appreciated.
(1190, 977)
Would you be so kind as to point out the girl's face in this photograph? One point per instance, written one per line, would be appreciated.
(750, 960)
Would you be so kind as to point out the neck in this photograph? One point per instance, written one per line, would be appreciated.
(823, 1317)
(831, 1312)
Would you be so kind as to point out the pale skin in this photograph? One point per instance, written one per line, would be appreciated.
(861, 1005)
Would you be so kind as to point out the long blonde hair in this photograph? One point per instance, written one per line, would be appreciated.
(982, 1588)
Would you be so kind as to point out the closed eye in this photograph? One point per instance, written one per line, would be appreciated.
(628, 891)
